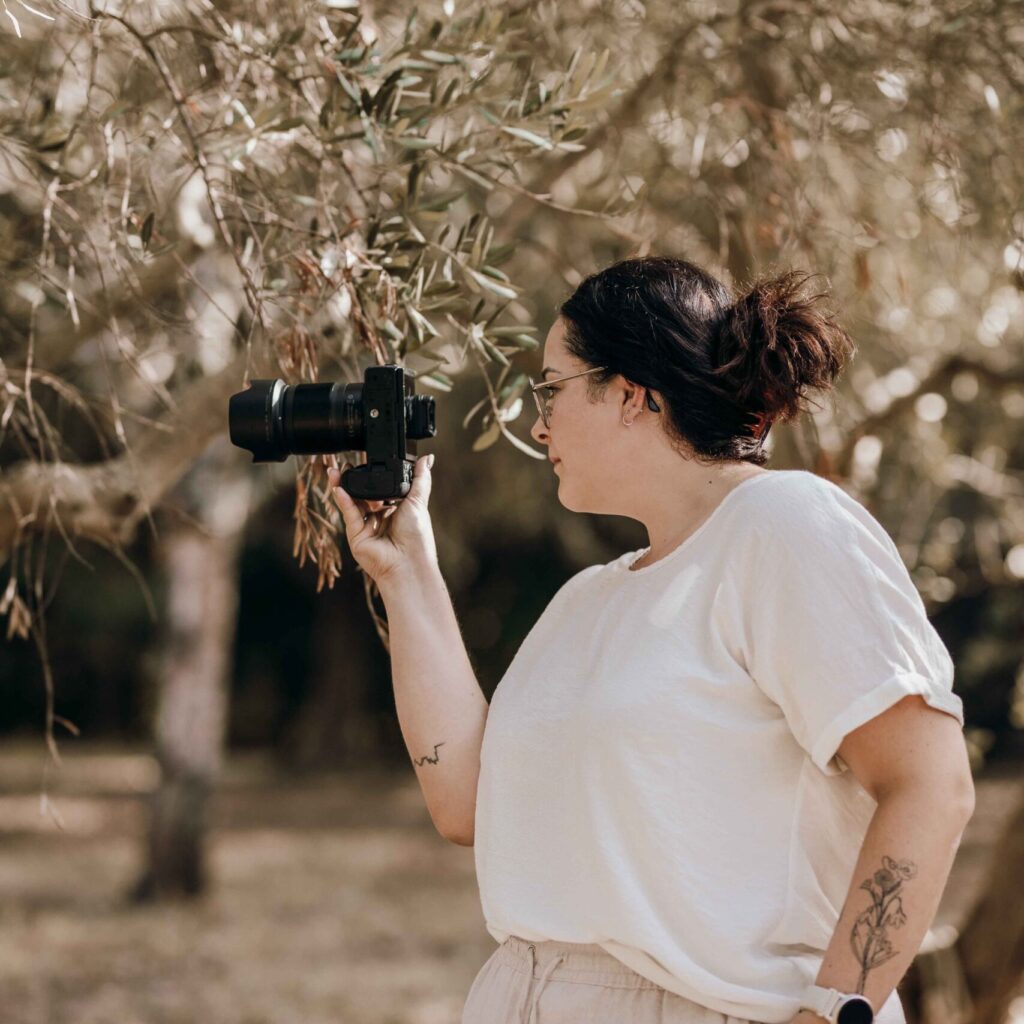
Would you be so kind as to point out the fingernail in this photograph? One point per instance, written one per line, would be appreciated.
(430, 461)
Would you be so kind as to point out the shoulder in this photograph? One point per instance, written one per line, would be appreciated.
(800, 518)
(779, 486)
(814, 554)
(576, 582)
(805, 523)
(796, 499)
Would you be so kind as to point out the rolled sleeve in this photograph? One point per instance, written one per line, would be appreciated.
(872, 704)
(833, 629)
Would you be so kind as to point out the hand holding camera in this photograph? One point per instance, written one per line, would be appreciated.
(389, 540)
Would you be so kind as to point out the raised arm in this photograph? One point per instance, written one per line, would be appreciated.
(441, 708)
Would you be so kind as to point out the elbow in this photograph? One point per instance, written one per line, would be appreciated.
(455, 822)
(960, 795)
(953, 799)
(456, 828)
(967, 800)
(459, 835)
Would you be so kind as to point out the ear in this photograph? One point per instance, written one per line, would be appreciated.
(634, 399)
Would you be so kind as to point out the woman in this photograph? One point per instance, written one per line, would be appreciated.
(724, 777)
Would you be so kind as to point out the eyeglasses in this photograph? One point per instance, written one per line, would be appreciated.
(544, 407)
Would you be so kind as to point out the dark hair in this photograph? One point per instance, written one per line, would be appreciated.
(725, 368)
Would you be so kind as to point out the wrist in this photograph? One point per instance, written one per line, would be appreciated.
(410, 574)
(833, 1006)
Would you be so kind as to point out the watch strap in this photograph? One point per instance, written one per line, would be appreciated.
(822, 1001)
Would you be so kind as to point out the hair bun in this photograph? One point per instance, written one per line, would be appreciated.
(774, 344)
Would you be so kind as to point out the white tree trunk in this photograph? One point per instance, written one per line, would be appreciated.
(199, 551)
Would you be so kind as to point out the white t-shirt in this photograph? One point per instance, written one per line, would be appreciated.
(658, 771)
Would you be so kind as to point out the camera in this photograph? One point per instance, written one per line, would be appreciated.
(381, 416)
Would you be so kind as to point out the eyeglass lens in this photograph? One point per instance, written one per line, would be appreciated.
(542, 403)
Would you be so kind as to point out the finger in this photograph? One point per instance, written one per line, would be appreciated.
(421, 479)
(351, 513)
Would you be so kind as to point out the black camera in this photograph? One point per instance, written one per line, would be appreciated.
(382, 416)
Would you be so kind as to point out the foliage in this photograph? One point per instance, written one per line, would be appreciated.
(187, 190)
(185, 186)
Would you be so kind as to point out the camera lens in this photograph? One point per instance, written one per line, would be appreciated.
(273, 419)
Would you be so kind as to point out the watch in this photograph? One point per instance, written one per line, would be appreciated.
(837, 1007)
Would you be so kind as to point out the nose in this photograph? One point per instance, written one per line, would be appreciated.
(538, 431)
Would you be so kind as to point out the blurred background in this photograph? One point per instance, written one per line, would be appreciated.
(206, 806)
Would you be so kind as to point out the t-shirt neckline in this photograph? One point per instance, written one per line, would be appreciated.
(623, 564)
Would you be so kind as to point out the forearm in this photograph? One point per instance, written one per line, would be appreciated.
(899, 878)
(441, 708)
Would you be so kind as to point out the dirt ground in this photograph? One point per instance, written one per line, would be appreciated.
(333, 901)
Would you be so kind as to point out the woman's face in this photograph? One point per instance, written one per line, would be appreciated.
(588, 439)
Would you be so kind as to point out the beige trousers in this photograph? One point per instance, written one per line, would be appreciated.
(574, 983)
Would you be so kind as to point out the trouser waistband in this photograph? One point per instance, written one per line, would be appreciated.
(569, 961)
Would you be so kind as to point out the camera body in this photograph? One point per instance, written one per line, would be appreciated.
(382, 416)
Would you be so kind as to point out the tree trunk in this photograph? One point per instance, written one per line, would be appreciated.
(199, 550)
(972, 978)
(992, 942)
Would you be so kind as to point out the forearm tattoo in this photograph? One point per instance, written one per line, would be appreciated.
(427, 759)
(870, 937)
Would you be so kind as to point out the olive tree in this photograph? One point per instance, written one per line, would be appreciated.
(194, 195)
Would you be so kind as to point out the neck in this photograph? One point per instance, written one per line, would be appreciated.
(677, 510)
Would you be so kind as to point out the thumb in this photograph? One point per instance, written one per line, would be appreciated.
(421, 480)
(350, 511)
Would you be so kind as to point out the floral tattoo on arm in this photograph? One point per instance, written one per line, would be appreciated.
(870, 942)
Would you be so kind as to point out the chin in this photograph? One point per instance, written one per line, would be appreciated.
(565, 498)
(562, 496)
(588, 503)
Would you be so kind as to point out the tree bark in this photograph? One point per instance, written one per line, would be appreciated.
(991, 945)
(200, 554)
(972, 977)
